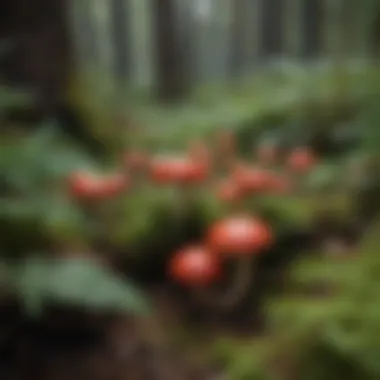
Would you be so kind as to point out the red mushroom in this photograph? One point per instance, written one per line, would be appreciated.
(177, 170)
(239, 235)
(301, 160)
(83, 185)
(251, 180)
(181, 173)
(194, 266)
(241, 238)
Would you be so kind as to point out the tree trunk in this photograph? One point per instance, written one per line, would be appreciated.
(120, 37)
(40, 59)
(237, 36)
(312, 24)
(171, 78)
(41, 51)
(272, 31)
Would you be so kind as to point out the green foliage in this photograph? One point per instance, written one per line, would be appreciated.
(73, 282)
(35, 205)
(243, 361)
(40, 160)
(325, 332)
(258, 105)
(333, 335)
(346, 321)
(14, 98)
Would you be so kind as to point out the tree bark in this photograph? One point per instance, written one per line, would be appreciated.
(41, 50)
(120, 34)
(171, 77)
(41, 60)
(272, 31)
(237, 36)
(312, 24)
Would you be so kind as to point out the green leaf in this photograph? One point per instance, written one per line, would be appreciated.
(75, 282)
(324, 176)
(29, 281)
(81, 282)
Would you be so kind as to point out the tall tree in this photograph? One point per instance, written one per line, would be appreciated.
(238, 29)
(41, 59)
(171, 74)
(312, 24)
(84, 31)
(120, 37)
(272, 27)
(41, 53)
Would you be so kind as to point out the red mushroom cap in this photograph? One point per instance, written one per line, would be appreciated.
(301, 159)
(180, 170)
(194, 265)
(86, 186)
(241, 235)
(82, 184)
(251, 179)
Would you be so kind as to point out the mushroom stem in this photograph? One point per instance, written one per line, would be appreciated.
(241, 281)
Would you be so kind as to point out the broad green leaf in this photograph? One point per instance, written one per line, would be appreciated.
(29, 281)
(82, 282)
(76, 282)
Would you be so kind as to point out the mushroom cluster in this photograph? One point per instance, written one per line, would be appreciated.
(215, 167)
(238, 237)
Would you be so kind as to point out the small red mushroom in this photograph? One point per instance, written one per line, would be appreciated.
(178, 170)
(195, 266)
(239, 235)
(301, 160)
(82, 184)
(86, 186)
(251, 179)
(239, 238)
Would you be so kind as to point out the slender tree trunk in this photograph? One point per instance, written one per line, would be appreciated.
(312, 13)
(171, 76)
(237, 36)
(273, 26)
(120, 38)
